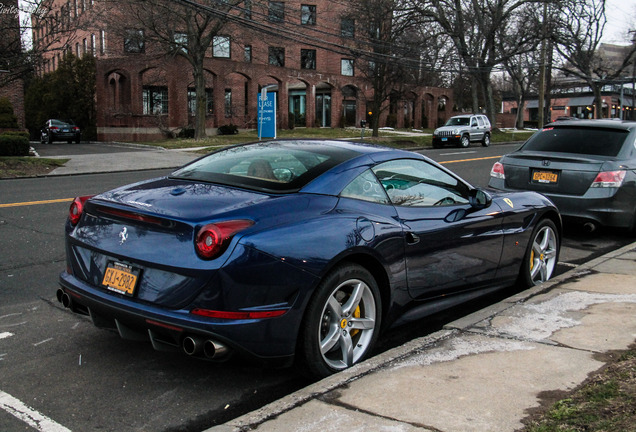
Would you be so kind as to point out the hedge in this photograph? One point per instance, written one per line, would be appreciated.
(14, 145)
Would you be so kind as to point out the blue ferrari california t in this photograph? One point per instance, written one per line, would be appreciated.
(297, 249)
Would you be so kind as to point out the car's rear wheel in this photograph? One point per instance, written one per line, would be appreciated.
(541, 255)
(49, 138)
(486, 141)
(342, 321)
(465, 141)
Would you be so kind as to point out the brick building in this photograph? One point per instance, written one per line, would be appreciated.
(11, 86)
(142, 91)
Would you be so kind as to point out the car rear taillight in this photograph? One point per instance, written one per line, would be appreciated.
(75, 129)
(497, 171)
(76, 209)
(54, 128)
(212, 239)
(609, 179)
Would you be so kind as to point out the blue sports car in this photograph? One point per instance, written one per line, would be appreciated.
(297, 250)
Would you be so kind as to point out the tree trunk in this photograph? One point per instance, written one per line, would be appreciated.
(201, 99)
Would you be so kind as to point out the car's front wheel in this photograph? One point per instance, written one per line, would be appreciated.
(342, 321)
(541, 255)
(465, 141)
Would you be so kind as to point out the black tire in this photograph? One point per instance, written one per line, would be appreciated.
(542, 254)
(341, 323)
(464, 142)
(486, 141)
(50, 139)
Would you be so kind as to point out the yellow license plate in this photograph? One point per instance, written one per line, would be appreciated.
(121, 278)
(545, 177)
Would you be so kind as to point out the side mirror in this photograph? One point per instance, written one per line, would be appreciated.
(479, 199)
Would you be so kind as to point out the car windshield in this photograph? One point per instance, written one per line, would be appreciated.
(458, 121)
(578, 140)
(278, 166)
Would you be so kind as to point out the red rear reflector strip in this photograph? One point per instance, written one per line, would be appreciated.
(238, 315)
(167, 326)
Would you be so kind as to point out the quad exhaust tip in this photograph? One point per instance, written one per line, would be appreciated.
(195, 345)
(64, 298)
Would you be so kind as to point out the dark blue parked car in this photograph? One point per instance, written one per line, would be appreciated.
(297, 249)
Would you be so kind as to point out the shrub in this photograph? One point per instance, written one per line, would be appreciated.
(14, 145)
(7, 117)
(230, 129)
(186, 132)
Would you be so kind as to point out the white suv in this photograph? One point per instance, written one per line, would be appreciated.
(463, 129)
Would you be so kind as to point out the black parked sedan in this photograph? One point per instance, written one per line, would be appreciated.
(58, 130)
(586, 167)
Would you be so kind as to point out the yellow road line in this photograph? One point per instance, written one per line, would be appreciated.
(470, 160)
(29, 203)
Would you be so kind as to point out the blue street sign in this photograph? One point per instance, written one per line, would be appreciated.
(267, 115)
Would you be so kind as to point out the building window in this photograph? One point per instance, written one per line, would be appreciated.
(248, 9)
(134, 41)
(346, 67)
(247, 51)
(307, 59)
(228, 102)
(155, 100)
(192, 101)
(180, 41)
(308, 14)
(277, 56)
(276, 11)
(93, 44)
(347, 27)
(102, 42)
(221, 46)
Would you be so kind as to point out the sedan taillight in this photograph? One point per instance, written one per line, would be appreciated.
(212, 239)
(497, 171)
(608, 179)
(77, 208)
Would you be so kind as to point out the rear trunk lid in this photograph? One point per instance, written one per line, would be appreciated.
(556, 173)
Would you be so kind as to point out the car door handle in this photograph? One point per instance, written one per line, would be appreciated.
(412, 238)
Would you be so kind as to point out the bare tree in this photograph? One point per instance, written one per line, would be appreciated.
(523, 71)
(485, 33)
(387, 49)
(188, 29)
(577, 34)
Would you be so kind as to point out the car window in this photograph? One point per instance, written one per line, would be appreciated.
(578, 140)
(473, 122)
(410, 182)
(480, 121)
(457, 121)
(278, 166)
(366, 187)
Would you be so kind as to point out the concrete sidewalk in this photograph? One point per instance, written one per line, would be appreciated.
(480, 373)
(146, 158)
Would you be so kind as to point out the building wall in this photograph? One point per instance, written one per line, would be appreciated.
(10, 45)
(124, 77)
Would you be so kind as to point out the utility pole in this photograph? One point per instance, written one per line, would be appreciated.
(542, 67)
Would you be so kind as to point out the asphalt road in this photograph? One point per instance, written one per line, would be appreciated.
(82, 378)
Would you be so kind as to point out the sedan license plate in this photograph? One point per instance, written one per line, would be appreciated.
(121, 278)
(545, 177)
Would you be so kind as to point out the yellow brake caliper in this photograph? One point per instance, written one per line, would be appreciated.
(356, 314)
